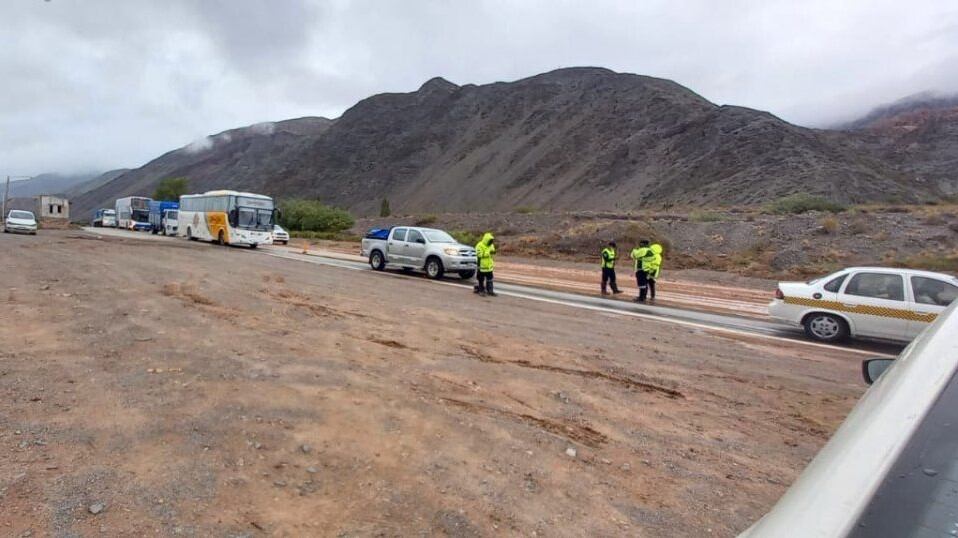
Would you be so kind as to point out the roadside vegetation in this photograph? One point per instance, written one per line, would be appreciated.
(299, 215)
(171, 188)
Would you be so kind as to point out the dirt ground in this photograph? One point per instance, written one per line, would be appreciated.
(176, 388)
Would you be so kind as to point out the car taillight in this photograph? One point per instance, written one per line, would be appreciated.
(779, 294)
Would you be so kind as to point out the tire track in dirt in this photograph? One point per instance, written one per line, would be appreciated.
(573, 432)
(625, 381)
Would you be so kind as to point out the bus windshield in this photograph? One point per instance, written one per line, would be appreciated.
(255, 219)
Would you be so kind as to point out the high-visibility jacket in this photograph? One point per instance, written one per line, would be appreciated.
(484, 251)
(642, 259)
(656, 260)
(608, 258)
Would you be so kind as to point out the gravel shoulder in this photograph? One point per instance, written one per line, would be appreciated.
(177, 388)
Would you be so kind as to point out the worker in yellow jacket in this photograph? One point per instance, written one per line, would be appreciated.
(485, 249)
(655, 269)
(642, 261)
(609, 254)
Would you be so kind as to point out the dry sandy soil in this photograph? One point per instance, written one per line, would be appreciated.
(179, 388)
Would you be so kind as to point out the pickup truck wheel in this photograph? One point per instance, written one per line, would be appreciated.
(466, 275)
(434, 269)
(825, 327)
(376, 261)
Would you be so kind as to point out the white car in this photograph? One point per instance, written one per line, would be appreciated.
(280, 235)
(873, 302)
(891, 469)
(20, 221)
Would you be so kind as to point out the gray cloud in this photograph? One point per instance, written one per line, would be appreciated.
(96, 84)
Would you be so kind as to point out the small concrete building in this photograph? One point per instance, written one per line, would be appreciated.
(53, 207)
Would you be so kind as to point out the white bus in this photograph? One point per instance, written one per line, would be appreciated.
(227, 217)
(133, 213)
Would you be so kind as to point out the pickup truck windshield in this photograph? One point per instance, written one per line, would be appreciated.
(438, 236)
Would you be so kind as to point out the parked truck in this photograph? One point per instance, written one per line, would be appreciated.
(420, 249)
(160, 213)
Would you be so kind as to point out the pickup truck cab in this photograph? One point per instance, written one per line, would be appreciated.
(413, 248)
(170, 222)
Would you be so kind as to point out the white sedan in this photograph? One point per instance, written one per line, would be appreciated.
(874, 302)
(280, 235)
(20, 222)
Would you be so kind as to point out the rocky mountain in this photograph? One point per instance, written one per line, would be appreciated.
(578, 138)
(47, 184)
(232, 159)
(918, 135)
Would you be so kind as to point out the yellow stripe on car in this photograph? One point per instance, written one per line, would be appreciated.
(880, 311)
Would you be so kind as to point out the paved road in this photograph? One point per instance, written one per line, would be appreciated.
(731, 324)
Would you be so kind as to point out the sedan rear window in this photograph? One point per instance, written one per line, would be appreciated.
(835, 284)
(21, 215)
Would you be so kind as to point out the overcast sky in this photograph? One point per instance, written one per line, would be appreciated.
(97, 84)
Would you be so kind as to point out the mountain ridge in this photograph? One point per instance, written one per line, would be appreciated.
(572, 138)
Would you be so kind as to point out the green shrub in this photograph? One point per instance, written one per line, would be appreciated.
(795, 204)
(467, 238)
(330, 236)
(934, 261)
(699, 215)
(384, 210)
(526, 210)
(314, 216)
(171, 188)
(426, 220)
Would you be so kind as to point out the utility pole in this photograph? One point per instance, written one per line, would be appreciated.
(6, 194)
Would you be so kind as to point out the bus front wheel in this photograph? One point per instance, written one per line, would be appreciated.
(189, 234)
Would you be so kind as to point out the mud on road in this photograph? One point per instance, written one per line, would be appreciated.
(185, 389)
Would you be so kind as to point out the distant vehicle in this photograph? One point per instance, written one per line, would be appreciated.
(104, 218)
(170, 221)
(20, 222)
(280, 235)
(158, 211)
(227, 217)
(875, 302)
(891, 468)
(427, 249)
(133, 213)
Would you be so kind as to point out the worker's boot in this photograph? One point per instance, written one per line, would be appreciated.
(489, 291)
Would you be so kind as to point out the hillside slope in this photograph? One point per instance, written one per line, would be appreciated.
(918, 135)
(578, 138)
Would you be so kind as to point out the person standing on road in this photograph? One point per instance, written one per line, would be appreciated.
(485, 248)
(655, 269)
(642, 259)
(608, 269)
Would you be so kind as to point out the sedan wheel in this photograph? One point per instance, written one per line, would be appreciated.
(826, 327)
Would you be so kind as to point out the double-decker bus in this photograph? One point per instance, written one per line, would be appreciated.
(133, 213)
(227, 217)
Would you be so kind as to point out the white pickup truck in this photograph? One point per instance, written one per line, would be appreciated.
(411, 248)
